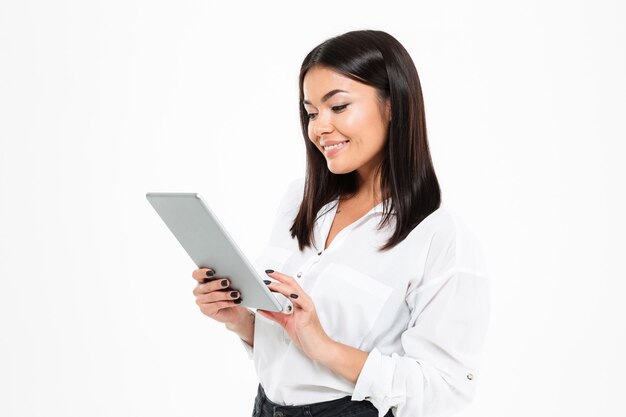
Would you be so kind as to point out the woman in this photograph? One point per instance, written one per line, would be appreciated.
(389, 288)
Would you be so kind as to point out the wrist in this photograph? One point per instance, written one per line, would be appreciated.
(344, 360)
(245, 322)
(325, 352)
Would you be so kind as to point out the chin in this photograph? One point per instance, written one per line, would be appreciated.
(338, 170)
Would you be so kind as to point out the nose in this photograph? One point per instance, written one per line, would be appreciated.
(321, 124)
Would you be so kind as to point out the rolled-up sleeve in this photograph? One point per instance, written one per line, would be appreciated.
(437, 373)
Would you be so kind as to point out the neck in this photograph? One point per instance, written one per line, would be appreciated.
(369, 189)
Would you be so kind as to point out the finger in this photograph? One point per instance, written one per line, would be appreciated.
(275, 317)
(297, 297)
(215, 285)
(217, 296)
(201, 274)
(284, 278)
(280, 287)
(287, 282)
(214, 308)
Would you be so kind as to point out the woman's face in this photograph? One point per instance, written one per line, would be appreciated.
(346, 113)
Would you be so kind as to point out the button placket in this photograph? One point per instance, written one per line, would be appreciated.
(343, 234)
(322, 228)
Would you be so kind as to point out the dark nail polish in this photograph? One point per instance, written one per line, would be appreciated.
(269, 271)
(210, 273)
(234, 294)
(225, 283)
(267, 282)
(294, 295)
(237, 301)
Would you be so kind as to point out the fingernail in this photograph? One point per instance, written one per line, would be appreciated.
(210, 273)
(237, 301)
(294, 295)
(233, 294)
(225, 283)
(269, 271)
(267, 282)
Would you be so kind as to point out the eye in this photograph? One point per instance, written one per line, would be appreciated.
(311, 116)
(338, 109)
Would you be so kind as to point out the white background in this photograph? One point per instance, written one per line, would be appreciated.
(103, 101)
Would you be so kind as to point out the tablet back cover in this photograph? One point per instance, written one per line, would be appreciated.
(208, 244)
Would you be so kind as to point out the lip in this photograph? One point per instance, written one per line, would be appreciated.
(332, 142)
(332, 152)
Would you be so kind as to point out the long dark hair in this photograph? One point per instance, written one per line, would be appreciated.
(406, 173)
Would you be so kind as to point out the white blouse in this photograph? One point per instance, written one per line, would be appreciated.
(420, 309)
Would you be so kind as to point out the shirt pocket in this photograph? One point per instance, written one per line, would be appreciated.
(348, 302)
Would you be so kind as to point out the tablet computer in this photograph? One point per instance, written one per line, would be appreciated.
(208, 244)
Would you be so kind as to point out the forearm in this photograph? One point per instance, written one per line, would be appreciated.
(346, 361)
(245, 328)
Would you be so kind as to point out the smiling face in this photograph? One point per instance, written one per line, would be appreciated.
(348, 115)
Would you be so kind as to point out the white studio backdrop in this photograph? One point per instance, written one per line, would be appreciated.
(103, 101)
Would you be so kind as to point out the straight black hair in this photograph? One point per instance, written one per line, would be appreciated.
(407, 174)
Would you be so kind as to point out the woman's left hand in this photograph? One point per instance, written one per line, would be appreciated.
(302, 325)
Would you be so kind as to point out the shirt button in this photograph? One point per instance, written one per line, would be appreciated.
(470, 376)
(299, 274)
(319, 253)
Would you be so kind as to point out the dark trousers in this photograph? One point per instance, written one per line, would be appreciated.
(341, 407)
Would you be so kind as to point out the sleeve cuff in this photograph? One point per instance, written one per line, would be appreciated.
(362, 389)
(371, 372)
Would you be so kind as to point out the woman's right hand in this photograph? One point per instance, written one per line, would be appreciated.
(216, 299)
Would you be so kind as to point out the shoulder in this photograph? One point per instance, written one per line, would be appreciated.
(452, 244)
(292, 197)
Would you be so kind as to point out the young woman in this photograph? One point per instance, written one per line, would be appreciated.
(389, 287)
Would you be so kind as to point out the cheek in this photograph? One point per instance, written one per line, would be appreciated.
(351, 125)
(364, 126)
(377, 126)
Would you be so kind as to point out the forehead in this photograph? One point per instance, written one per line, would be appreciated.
(320, 80)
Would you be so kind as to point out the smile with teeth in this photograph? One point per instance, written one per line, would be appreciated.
(337, 145)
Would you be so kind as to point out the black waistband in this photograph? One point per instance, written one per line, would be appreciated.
(264, 407)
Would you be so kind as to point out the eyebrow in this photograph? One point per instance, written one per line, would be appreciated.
(326, 96)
